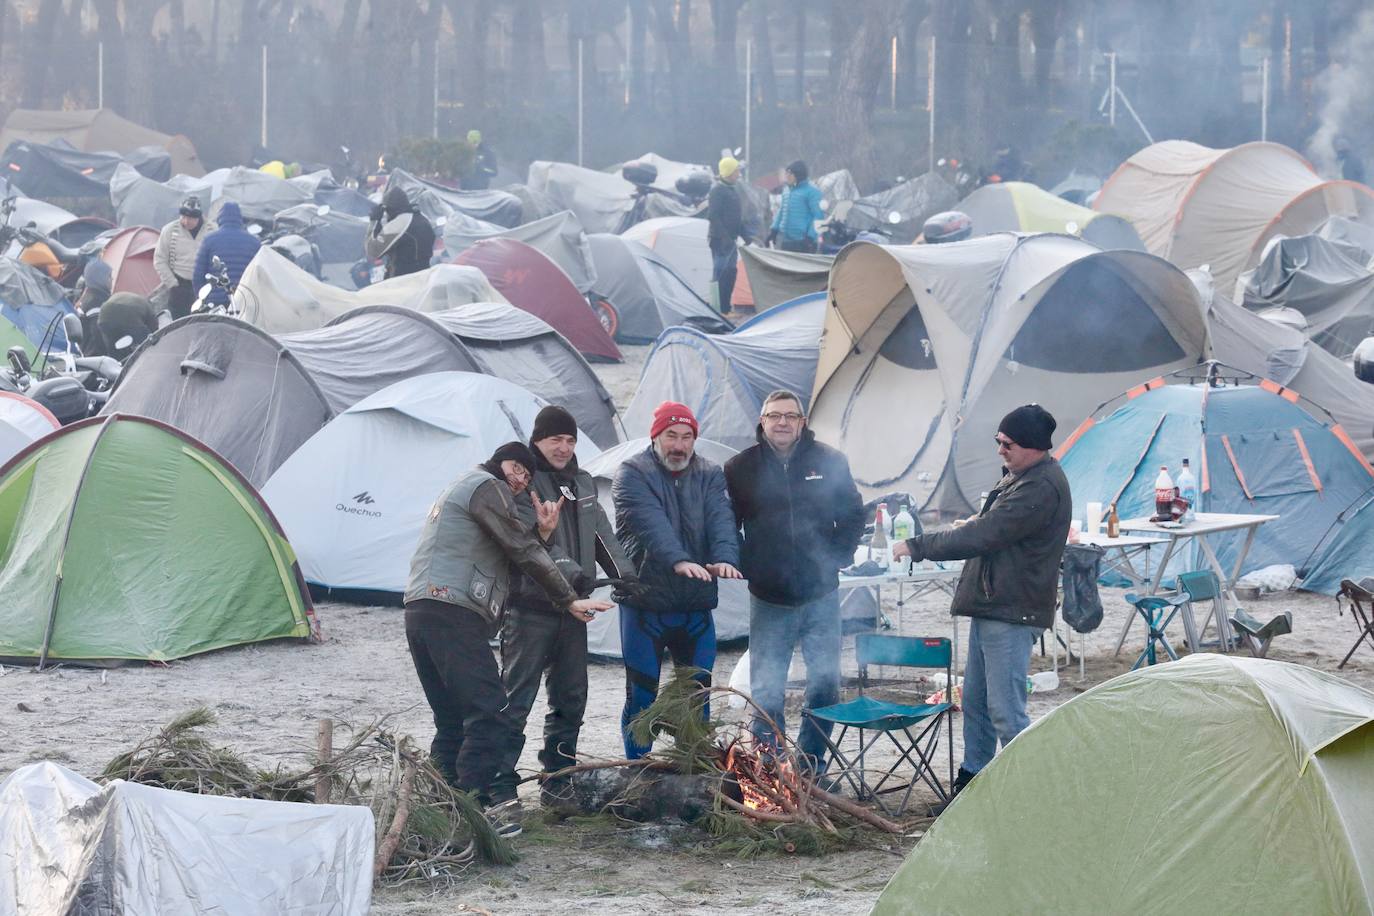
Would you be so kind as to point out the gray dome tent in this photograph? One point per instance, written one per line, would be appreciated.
(646, 292)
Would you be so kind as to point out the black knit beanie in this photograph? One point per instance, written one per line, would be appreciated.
(511, 451)
(1029, 426)
(553, 421)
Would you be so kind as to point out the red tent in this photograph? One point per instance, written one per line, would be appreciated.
(534, 283)
(130, 256)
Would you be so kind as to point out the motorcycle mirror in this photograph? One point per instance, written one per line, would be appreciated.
(254, 229)
(825, 205)
(124, 342)
(894, 217)
(346, 150)
(1071, 227)
(322, 210)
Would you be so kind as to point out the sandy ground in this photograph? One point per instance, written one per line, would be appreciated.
(267, 699)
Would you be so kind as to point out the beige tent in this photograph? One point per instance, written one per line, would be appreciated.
(926, 347)
(97, 130)
(1195, 205)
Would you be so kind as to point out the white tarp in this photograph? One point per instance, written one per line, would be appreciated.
(278, 297)
(21, 421)
(67, 845)
(681, 242)
(352, 499)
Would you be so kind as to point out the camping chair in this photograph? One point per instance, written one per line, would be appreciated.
(1202, 586)
(872, 719)
(1257, 638)
(1360, 600)
(1158, 611)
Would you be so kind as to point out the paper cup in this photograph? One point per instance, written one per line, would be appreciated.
(1094, 518)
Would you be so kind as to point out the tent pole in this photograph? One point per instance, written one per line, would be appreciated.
(579, 101)
(264, 97)
(930, 102)
(748, 97)
(1111, 91)
(1264, 99)
(100, 74)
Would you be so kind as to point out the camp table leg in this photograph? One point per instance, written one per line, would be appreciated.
(1225, 597)
(1154, 589)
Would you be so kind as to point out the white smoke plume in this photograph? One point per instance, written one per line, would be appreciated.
(1345, 87)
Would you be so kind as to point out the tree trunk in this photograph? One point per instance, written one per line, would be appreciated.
(860, 73)
(638, 92)
(909, 75)
(427, 55)
(527, 47)
(842, 16)
(38, 48)
(1046, 17)
(142, 70)
(765, 72)
(724, 38)
(670, 34)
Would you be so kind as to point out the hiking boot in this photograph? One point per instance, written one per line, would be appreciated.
(504, 818)
(961, 780)
(556, 792)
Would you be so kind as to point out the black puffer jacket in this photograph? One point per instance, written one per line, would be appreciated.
(801, 519)
(413, 250)
(1013, 548)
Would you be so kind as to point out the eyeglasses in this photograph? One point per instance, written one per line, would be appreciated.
(521, 472)
(791, 416)
(1003, 443)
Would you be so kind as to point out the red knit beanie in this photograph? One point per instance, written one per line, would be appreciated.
(670, 413)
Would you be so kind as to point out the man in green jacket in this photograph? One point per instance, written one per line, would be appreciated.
(459, 580)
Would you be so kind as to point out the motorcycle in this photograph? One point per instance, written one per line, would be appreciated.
(691, 192)
(44, 252)
(218, 278)
(71, 386)
(853, 221)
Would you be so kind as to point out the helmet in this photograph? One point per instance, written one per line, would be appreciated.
(39, 255)
(191, 207)
(276, 168)
(949, 226)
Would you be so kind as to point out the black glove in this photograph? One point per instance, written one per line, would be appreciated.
(772, 237)
(631, 588)
(377, 213)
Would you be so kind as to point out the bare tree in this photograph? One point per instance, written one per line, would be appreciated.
(860, 74)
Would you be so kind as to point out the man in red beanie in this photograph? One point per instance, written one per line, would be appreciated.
(673, 518)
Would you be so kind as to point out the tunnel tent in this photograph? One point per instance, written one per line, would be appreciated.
(354, 497)
(1328, 283)
(98, 130)
(769, 277)
(142, 201)
(434, 200)
(645, 291)
(1019, 206)
(558, 236)
(681, 242)
(1219, 207)
(926, 347)
(1275, 758)
(724, 378)
(198, 562)
(516, 346)
(22, 421)
(1257, 448)
(530, 280)
(279, 297)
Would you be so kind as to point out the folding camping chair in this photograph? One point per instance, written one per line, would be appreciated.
(1202, 586)
(866, 715)
(1360, 600)
(1257, 637)
(1158, 611)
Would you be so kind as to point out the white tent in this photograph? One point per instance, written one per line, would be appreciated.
(67, 845)
(559, 236)
(278, 297)
(681, 242)
(646, 291)
(352, 498)
(22, 421)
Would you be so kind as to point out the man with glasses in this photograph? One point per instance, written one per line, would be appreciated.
(1008, 587)
(801, 517)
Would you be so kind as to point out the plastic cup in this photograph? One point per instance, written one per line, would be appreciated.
(1094, 518)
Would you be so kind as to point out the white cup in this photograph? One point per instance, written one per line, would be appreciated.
(1094, 518)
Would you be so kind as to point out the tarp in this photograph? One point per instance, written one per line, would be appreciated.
(732, 614)
(1018, 206)
(130, 256)
(529, 280)
(338, 235)
(1195, 205)
(68, 228)
(725, 377)
(434, 200)
(774, 277)
(1328, 282)
(127, 540)
(1213, 784)
(559, 237)
(354, 498)
(22, 421)
(926, 347)
(98, 130)
(260, 196)
(69, 845)
(58, 171)
(1255, 449)
(534, 204)
(599, 199)
(914, 201)
(276, 295)
(22, 285)
(681, 242)
(142, 201)
(647, 294)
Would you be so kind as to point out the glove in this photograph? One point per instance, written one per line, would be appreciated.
(772, 237)
(377, 213)
(632, 589)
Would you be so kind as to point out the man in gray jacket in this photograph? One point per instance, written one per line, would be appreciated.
(459, 581)
(1008, 587)
(174, 256)
(537, 638)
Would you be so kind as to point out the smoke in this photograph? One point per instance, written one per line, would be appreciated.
(1344, 85)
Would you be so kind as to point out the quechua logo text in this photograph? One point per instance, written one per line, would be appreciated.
(361, 502)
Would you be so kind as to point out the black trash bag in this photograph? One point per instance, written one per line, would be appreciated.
(1082, 604)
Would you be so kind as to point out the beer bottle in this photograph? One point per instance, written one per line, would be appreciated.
(1113, 523)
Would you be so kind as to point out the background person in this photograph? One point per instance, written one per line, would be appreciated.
(794, 225)
(725, 217)
(174, 256)
(233, 245)
(413, 251)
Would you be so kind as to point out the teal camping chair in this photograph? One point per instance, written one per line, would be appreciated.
(1158, 611)
(872, 719)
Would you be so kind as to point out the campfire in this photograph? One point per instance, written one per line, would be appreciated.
(767, 786)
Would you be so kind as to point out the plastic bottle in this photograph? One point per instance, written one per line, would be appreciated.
(1113, 523)
(1187, 489)
(903, 526)
(1164, 495)
(1042, 682)
(878, 550)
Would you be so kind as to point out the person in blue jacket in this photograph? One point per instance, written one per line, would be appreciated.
(233, 245)
(673, 517)
(794, 225)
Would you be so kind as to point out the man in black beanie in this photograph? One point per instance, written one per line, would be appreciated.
(1008, 587)
(537, 638)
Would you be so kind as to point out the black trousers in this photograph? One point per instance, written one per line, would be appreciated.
(553, 646)
(180, 298)
(806, 246)
(472, 728)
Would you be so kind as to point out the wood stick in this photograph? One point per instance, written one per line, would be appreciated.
(398, 822)
(759, 815)
(325, 741)
(854, 809)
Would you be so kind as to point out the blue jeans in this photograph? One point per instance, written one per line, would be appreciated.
(689, 637)
(994, 688)
(724, 267)
(774, 631)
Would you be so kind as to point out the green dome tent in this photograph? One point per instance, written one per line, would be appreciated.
(123, 539)
(1213, 784)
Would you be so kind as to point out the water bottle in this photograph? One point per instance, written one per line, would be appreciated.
(1042, 682)
(903, 526)
(1187, 489)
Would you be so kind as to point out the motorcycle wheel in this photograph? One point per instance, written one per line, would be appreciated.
(607, 315)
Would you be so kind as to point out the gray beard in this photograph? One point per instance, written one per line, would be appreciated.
(673, 464)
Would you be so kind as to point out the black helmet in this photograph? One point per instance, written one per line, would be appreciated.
(191, 207)
(950, 226)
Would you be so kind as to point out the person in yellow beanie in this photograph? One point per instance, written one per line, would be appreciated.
(482, 168)
(725, 214)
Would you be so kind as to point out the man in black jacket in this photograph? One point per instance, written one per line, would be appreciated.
(801, 516)
(539, 639)
(1009, 584)
(725, 214)
(413, 251)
